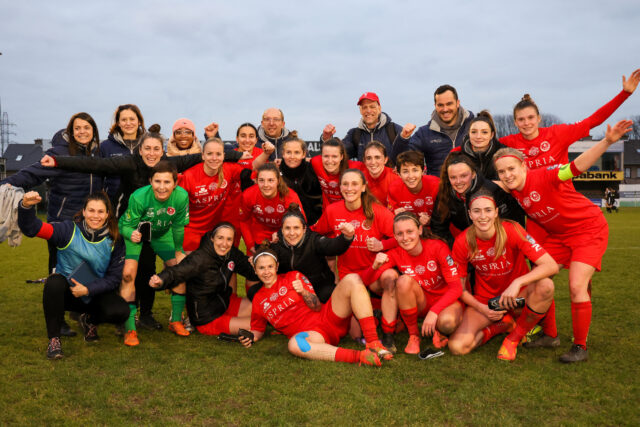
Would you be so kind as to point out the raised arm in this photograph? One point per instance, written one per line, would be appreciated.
(585, 160)
(59, 233)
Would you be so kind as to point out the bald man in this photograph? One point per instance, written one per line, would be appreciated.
(272, 129)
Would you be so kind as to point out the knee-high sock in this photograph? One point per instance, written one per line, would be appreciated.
(388, 327)
(525, 322)
(410, 317)
(497, 328)
(368, 326)
(347, 355)
(177, 305)
(581, 317)
(548, 322)
(130, 323)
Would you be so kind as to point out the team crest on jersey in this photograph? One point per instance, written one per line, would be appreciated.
(231, 265)
(418, 202)
(269, 210)
(333, 184)
(432, 266)
(273, 297)
(526, 202)
(280, 208)
(366, 225)
(450, 261)
(171, 210)
(545, 146)
(535, 196)
(420, 269)
(224, 183)
(282, 291)
(491, 252)
(533, 151)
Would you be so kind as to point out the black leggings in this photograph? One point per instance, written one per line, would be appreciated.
(145, 294)
(57, 298)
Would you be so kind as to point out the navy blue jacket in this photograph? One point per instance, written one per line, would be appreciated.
(113, 146)
(67, 190)
(433, 143)
(31, 225)
(379, 133)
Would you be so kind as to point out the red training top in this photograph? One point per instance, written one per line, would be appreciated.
(379, 186)
(330, 184)
(401, 197)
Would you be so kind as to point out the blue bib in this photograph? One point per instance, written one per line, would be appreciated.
(96, 254)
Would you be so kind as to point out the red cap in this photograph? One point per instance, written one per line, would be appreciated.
(370, 96)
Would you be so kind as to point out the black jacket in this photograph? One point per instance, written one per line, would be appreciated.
(308, 257)
(304, 181)
(483, 161)
(207, 275)
(458, 209)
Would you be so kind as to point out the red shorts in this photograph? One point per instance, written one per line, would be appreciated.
(192, 238)
(430, 300)
(587, 246)
(221, 324)
(328, 324)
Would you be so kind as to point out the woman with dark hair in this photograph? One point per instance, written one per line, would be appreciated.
(329, 167)
(481, 143)
(212, 304)
(379, 176)
(300, 176)
(550, 146)
(458, 180)
(576, 232)
(289, 303)
(497, 250)
(246, 138)
(263, 206)
(90, 239)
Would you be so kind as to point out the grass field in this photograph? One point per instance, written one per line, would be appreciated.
(199, 380)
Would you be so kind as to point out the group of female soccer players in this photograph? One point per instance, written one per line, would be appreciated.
(328, 240)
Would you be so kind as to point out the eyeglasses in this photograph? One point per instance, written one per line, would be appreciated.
(271, 119)
(183, 132)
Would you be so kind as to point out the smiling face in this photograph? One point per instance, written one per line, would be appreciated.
(480, 135)
(447, 107)
(411, 175)
(407, 234)
(370, 111)
(223, 240)
(184, 138)
(293, 154)
(246, 138)
(374, 160)
(268, 184)
(351, 187)
(460, 176)
(272, 122)
(331, 158)
(511, 172)
(527, 121)
(483, 214)
(151, 151)
(292, 230)
(162, 184)
(128, 123)
(266, 268)
(82, 131)
(95, 214)
(212, 157)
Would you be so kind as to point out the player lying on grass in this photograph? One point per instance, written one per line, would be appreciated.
(289, 303)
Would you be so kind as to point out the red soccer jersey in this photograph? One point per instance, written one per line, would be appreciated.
(401, 197)
(357, 258)
(330, 184)
(248, 163)
(379, 186)
(282, 306)
(493, 276)
(433, 269)
(261, 217)
(555, 204)
(206, 197)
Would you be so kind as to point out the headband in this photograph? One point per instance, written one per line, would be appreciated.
(510, 155)
(407, 215)
(255, 258)
(223, 225)
(483, 197)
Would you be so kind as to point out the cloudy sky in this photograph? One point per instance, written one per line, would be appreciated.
(227, 61)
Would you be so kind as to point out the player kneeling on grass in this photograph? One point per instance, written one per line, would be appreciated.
(91, 239)
(289, 303)
(497, 249)
(166, 209)
(212, 304)
(429, 286)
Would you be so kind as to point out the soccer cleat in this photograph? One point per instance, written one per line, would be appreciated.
(413, 346)
(54, 349)
(370, 358)
(508, 350)
(178, 329)
(147, 321)
(380, 350)
(90, 330)
(389, 343)
(439, 340)
(543, 341)
(65, 330)
(131, 338)
(575, 354)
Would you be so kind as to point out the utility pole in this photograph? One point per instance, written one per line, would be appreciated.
(5, 130)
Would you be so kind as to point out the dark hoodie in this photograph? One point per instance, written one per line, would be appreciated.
(304, 181)
(483, 160)
(207, 275)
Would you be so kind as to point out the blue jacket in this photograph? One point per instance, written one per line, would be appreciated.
(111, 147)
(67, 190)
(379, 133)
(433, 142)
(61, 234)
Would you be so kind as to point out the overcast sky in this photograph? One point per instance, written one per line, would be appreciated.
(228, 61)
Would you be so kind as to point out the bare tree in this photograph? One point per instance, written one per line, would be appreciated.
(635, 132)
